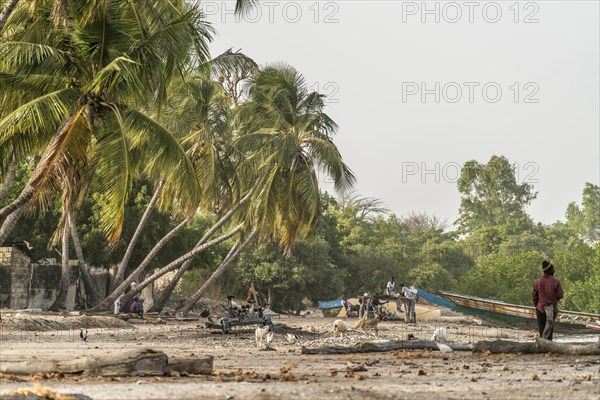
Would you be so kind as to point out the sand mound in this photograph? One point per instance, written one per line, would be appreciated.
(21, 322)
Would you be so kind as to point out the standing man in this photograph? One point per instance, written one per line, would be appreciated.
(390, 287)
(410, 314)
(546, 294)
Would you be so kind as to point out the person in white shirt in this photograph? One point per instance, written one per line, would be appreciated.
(391, 287)
(410, 314)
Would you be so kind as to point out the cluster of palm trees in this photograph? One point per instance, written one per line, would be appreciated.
(104, 92)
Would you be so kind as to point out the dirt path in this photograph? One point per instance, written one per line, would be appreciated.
(244, 372)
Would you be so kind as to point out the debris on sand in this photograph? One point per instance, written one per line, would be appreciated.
(42, 393)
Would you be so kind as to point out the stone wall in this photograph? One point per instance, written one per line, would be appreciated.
(24, 284)
(44, 285)
(15, 282)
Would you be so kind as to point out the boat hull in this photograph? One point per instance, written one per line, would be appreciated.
(506, 314)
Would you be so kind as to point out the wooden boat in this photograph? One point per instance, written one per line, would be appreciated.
(593, 326)
(500, 313)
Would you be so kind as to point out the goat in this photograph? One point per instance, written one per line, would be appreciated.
(263, 339)
(366, 324)
(440, 335)
(340, 327)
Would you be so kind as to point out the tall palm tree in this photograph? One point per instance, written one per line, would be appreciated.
(285, 130)
(80, 95)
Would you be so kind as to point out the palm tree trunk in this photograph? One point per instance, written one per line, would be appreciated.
(8, 9)
(61, 301)
(8, 180)
(120, 275)
(107, 302)
(178, 261)
(20, 201)
(92, 294)
(166, 293)
(9, 223)
(218, 273)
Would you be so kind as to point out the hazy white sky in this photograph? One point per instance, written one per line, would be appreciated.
(418, 88)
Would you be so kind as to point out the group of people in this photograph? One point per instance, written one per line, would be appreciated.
(407, 299)
(547, 291)
(136, 306)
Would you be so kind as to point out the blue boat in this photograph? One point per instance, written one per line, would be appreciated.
(328, 305)
(437, 300)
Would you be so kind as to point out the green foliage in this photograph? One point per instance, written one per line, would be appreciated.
(491, 195)
(431, 277)
(306, 273)
(505, 277)
(585, 220)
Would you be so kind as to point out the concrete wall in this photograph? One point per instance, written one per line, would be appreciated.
(44, 285)
(18, 265)
(27, 285)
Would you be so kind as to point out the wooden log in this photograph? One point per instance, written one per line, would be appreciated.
(134, 362)
(549, 346)
(539, 346)
(505, 346)
(191, 365)
(384, 345)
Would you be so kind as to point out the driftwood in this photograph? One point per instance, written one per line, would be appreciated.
(140, 362)
(384, 345)
(198, 365)
(549, 346)
(539, 346)
(506, 346)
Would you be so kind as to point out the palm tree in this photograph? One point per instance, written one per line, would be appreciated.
(286, 133)
(200, 108)
(81, 94)
(285, 129)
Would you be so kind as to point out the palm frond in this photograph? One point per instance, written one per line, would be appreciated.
(163, 157)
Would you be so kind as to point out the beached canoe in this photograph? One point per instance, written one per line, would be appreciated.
(507, 314)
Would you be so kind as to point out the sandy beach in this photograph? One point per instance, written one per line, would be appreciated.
(242, 371)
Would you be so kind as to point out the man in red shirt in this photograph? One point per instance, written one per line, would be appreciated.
(546, 294)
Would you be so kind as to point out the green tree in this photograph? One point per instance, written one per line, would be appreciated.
(77, 93)
(585, 220)
(491, 195)
(505, 277)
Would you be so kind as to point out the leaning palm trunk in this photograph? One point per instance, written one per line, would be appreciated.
(10, 223)
(105, 304)
(166, 293)
(20, 201)
(120, 275)
(61, 301)
(170, 267)
(6, 11)
(217, 274)
(92, 296)
(8, 180)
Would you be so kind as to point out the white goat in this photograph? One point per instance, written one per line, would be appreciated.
(340, 327)
(440, 335)
(264, 336)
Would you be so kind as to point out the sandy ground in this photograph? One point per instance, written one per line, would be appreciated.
(244, 372)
